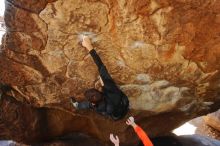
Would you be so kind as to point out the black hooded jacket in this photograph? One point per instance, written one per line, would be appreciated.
(115, 102)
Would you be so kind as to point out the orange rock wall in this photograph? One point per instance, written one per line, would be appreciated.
(164, 54)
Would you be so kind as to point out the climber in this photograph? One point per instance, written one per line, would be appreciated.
(111, 101)
(141, 134)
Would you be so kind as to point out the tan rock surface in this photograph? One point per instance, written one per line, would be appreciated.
(165, 55)
(203, 129)
(213, 120)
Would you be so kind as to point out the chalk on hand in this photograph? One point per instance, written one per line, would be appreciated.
(91, 35)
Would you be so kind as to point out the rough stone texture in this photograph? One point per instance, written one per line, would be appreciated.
(186, 140)
(203, 129)
(26, 124)
(213, 120)
(164, 54)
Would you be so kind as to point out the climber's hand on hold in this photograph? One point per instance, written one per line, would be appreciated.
(114, 140)
(87, 43)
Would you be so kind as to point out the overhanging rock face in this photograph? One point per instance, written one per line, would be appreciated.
(165, 55)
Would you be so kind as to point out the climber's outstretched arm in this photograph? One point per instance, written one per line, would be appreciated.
(107, 80)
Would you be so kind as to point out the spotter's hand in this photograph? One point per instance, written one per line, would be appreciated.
(114, 140)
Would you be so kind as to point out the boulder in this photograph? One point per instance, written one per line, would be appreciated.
(213, 120)
(165, 55)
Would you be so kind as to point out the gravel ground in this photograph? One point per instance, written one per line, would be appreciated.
(204, 129)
